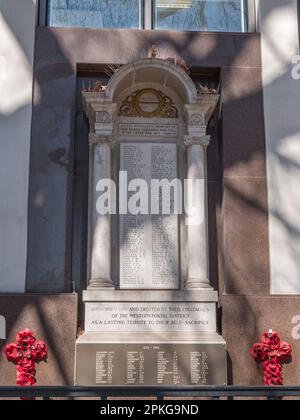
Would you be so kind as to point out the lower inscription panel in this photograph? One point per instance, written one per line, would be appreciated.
(150, 364)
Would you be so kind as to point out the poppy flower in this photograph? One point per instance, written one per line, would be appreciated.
(26, 337)
(25, 379)
(39, 351)
(259, 352)
(285, 351)
(12, 353)
(271, 339)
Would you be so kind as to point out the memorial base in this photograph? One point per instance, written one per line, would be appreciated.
(150, 338)
(151, 359)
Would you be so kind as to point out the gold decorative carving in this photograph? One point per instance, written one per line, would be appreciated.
(148, 103)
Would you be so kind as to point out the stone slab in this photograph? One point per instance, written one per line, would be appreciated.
(150, 362)
(141, 130)
(149, 243)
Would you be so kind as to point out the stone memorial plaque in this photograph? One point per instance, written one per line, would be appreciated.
(151, 364)
(157, 130)
(149, 244)
(151, 317)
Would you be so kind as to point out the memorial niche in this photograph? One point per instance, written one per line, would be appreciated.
(149, 300)
(142, 123)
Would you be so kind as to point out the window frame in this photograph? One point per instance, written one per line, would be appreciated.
(298, 14)
(148, 15)
(43, 14)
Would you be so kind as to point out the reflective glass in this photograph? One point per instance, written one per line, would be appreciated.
(95, 13)
(201, 15)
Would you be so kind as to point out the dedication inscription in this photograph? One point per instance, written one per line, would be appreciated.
(150, 316)
(149, 249)
(148, 130)
(151, 364)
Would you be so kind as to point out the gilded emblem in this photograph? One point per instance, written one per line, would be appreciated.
(148, 103)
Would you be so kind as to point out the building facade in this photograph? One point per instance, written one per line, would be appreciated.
(246, 51)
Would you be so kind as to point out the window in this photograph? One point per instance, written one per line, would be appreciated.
(200, 15)
(179, 15)
(95, 13)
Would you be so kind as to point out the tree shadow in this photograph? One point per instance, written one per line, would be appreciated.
(58, 52)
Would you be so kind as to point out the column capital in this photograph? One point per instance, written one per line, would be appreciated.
(200, 112)
(98, 138)
(97, 103)
(197, 140)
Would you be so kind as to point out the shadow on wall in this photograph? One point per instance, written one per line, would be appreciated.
(52, 166)
(50, 317)
(16, 56)
(53, 319)
(282, 135)
(53, 127)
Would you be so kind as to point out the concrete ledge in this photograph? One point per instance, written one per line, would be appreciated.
(150, 337)
(150, 296)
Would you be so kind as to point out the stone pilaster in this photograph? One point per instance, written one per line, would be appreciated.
(101, 141)
(198, 269)
(196, 142)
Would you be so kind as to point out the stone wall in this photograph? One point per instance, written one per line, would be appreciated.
(53, 318)
(245, 318)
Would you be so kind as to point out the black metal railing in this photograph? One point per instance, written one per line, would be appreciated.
(160, 393)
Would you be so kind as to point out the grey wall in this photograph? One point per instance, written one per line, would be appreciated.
(280, 43)
(17, 27)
